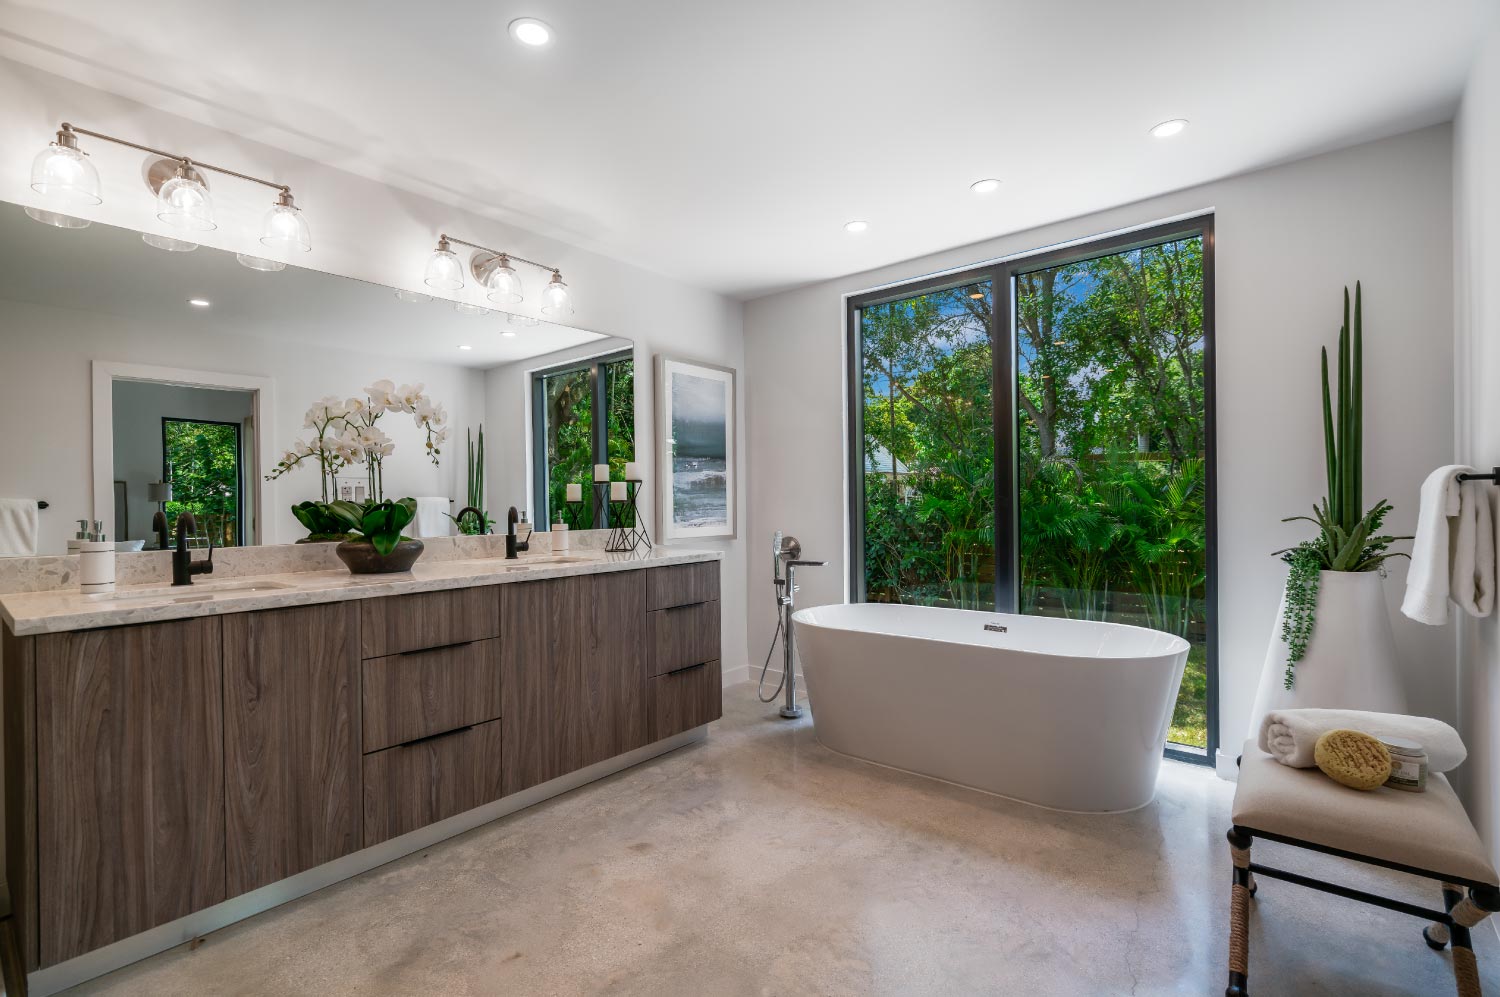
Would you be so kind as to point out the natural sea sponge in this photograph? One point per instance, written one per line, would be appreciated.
(1353, 758)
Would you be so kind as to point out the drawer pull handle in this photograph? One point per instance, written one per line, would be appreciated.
(440, 647)
(686, 668)
(433, 737)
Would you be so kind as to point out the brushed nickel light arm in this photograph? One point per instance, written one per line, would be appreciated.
(481, 264)
(67, 136)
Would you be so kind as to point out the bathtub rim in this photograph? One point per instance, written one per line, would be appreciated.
(799, 619)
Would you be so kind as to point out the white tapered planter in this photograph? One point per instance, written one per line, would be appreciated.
(1350, 662)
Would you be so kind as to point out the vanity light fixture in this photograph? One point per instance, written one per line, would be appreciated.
(1169, 128)
(63, 175)
(496, 272)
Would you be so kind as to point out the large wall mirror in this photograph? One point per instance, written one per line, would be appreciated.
(141, 383)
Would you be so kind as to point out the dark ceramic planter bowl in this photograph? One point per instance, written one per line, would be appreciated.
(363, 559)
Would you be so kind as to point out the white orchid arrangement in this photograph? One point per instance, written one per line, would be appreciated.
(345, 433)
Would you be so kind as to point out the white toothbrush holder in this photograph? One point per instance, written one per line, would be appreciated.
(559, 538)
(96, 566)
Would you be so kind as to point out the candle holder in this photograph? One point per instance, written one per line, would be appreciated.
(627, 538)
(601, 506)
(572, 514)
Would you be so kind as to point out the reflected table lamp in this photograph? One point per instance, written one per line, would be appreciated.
(160, 492)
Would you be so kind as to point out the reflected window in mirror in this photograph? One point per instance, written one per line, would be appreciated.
(570, 438)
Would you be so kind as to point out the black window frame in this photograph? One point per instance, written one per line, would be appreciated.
(239, 466)
(1001, 275)
(598, 431)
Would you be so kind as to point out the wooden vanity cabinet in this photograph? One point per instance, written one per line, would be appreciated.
(130, 750)
(154, 770)
(573, 681)
(291, 741)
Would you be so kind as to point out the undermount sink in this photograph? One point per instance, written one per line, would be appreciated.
(197, 592)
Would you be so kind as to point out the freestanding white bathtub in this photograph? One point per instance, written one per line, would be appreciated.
(1066, 714)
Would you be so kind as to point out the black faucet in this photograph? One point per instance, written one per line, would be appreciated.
(159, 527)
(510, 534)
(183, 565)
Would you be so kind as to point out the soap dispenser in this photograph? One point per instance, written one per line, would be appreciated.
(96, 562)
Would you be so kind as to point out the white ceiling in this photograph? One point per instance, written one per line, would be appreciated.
(111, 271)
(726, 143)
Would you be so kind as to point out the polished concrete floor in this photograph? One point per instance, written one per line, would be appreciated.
(759, 863)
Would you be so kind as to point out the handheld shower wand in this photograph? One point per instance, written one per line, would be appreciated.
(787, 554)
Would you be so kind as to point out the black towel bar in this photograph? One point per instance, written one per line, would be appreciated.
(43, 504)
(1494, 476)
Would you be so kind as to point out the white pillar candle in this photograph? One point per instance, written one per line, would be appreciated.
(601, 472)
(633, 471)
(575, 492)
(617, 491)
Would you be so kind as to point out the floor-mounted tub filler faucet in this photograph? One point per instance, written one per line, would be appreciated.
(786, 559)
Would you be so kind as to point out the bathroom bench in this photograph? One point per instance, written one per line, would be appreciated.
(1424, 834)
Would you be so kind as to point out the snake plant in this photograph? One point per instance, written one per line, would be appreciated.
(1349, 537)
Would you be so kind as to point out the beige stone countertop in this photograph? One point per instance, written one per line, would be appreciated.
(56, 612)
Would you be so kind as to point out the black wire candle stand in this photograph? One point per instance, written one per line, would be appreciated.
(573, 515)
(623, 538)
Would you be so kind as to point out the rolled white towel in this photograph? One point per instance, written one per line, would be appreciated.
(1290, 735)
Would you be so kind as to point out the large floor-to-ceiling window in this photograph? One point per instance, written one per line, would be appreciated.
(1035, 436)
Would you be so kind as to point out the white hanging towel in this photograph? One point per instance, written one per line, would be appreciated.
(1453, 554)
(432, 517)
(18, 527)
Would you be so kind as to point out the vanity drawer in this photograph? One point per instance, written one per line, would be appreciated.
(416, 622)
(684, 699)
(684, 636)
(418, 693)
(413, 785)
(682, 585)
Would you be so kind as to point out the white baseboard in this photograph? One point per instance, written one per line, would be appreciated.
(1226, 767)
(45, 982)
(736, 675)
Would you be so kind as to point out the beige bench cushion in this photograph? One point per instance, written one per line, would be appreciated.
(1428, 831)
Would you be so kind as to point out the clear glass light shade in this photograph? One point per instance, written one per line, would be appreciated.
(505, 285)
(56, 218)
(185, 203)
(286, 230)
(415, 297)
(444, 271)
(65, 176)
(555, 299)
(259, 263)
(466, 308)
(168, 243)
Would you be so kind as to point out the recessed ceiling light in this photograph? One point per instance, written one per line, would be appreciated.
(466, 347)
(508, 333)
(199, 302)
(985, 186)
(1169, 128)
(856, 226)
(530, 31)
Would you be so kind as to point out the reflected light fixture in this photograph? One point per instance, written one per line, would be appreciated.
(988, 186)
(466, 308)
(259, 263)
(856, 226)
(199, 302)
(496, 272)
(415, 297)
(524, 321)
(68, 181)
(508, 333)
(168, 243)
(1169, 128)
(530, 32)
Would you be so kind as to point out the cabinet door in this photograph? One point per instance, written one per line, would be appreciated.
(130, 752)
(291, 744)
(573, 683)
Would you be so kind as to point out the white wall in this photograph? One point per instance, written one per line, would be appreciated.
(1476, 213)
(1288, 239)
(140, 407)
(51, 350)
(364, 229)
